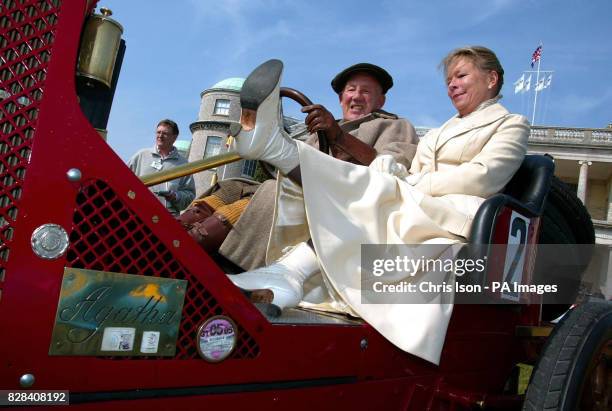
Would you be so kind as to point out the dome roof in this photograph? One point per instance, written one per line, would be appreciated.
(182, 144)
(232, 83)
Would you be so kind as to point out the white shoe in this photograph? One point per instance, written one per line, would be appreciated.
(262, 136)
(285, 278)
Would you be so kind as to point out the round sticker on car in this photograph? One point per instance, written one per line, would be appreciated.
(217, 338)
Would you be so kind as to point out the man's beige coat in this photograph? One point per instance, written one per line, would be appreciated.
(455, 168)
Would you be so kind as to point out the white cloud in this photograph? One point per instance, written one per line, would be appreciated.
(240, 23)
(248, 40)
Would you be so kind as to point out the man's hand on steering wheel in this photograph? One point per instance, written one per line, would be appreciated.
(320, 119)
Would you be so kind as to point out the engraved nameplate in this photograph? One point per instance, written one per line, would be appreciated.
(110, 314)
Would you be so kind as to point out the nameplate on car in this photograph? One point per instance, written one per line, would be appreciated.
(111, 314)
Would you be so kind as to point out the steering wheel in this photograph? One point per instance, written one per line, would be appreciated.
(301, 99)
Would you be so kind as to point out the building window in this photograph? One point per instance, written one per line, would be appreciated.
(248, 168)
(222, 107)
(213, 146)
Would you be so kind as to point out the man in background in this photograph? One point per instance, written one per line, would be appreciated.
(176, 194)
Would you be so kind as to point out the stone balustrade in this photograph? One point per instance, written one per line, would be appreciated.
(566, 135)
(561, 135)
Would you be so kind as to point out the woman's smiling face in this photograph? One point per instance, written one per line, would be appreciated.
(468, 86)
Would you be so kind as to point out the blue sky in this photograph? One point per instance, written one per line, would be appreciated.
(177, 49)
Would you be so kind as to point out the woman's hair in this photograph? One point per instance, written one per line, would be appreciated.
(482, 57)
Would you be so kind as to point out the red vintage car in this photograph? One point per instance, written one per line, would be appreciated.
(73, 216)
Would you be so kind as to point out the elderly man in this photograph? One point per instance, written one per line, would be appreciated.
(362, 92)
(175, 194)
(240, 228)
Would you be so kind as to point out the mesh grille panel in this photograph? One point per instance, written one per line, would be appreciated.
(26, 36)
(108, 236)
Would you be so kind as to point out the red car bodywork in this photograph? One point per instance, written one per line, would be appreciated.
(115, 224)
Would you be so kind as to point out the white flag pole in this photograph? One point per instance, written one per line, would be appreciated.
(535, 100)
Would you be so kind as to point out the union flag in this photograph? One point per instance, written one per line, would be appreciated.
(536, 55)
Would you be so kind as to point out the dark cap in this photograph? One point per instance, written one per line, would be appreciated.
(380, 74)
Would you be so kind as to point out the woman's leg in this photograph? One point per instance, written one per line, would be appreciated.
(285, 277)
(262, 137)
(260, 134)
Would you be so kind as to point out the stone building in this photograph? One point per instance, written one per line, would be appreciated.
(583, 160)
(220, 105)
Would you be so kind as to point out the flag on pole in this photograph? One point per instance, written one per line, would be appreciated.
(527, 84)
(537, 54)
(540, 85)
(548, 81)
(518, 84)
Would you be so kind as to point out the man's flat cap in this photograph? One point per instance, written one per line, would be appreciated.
(380, 74)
